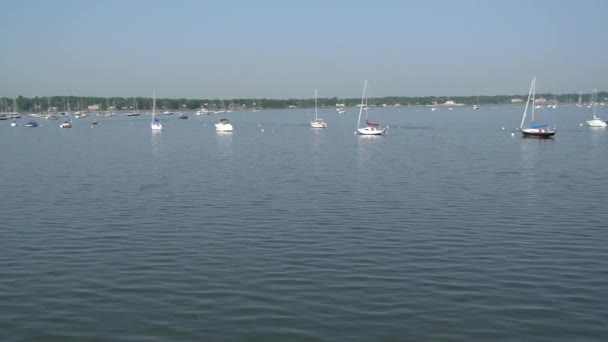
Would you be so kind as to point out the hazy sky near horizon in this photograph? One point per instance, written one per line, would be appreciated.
(286, 49)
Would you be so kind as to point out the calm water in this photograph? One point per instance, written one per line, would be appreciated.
(446, 229)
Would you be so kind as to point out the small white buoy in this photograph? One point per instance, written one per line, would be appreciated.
(512, 134)
(262, 130)
(503, 128)
(581, 124)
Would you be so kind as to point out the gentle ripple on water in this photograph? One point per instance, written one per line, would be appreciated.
(446, 229)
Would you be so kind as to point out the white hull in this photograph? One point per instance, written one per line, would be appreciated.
(318, 124)
(223, 127)
(596, 122)
(371, 131)
(65, 125)
(14, 124)
(156, 126)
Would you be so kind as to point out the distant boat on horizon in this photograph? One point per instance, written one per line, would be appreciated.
(156, 125)
(317, 123)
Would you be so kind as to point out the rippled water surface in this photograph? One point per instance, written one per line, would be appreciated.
(446, 229)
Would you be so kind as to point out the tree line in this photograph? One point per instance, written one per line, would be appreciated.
(61, 103)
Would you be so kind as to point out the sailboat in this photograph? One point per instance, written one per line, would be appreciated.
(156, 125)
(370, 128)
(535, 130)
(67, 123)
(595, 122)
(136, 110)
(317, 123)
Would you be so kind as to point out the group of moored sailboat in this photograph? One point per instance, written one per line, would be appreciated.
(595, 122)
(536, 130)
(370, 128)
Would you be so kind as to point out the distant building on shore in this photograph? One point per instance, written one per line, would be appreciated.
(517, 100)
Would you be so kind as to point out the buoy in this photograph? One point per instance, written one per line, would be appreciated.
(503, 128)
(581, 124)
(262, 130)
(512, 134)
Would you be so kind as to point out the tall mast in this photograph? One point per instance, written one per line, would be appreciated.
(361, 107)
(523, 119)
(316, 105)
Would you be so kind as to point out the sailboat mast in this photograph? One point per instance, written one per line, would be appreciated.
(316, 118)
(594, 102)
(153, 104)
(533, 97)
(523, 119)
(361, 107)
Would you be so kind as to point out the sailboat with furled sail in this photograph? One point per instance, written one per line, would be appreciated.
(535, 130)
(370, 128)
(595, 122)
(156, 125)
(317, 123)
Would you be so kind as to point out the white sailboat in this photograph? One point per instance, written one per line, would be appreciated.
(67, 123)
(317, 123)
(535, 130)
(596, 122)
(370, 128)
(156, 125)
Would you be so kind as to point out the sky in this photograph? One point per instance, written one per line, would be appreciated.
(286, 49)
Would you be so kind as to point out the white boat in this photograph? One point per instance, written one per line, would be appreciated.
(535, 130)
(156, 125)
(203, 111)
(67, 123)
(595, 122)
(224, 125)
(370, 128)
(317, 123)
(14, 123)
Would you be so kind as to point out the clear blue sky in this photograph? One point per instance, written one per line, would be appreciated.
(282, 49)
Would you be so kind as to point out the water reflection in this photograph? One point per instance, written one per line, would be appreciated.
(318, 159)
(224, 144)
(532, 160)
(368, 147)
(156, 141)
(598, 134)
(597, 149)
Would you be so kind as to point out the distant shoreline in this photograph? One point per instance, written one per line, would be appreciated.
(94, 103)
